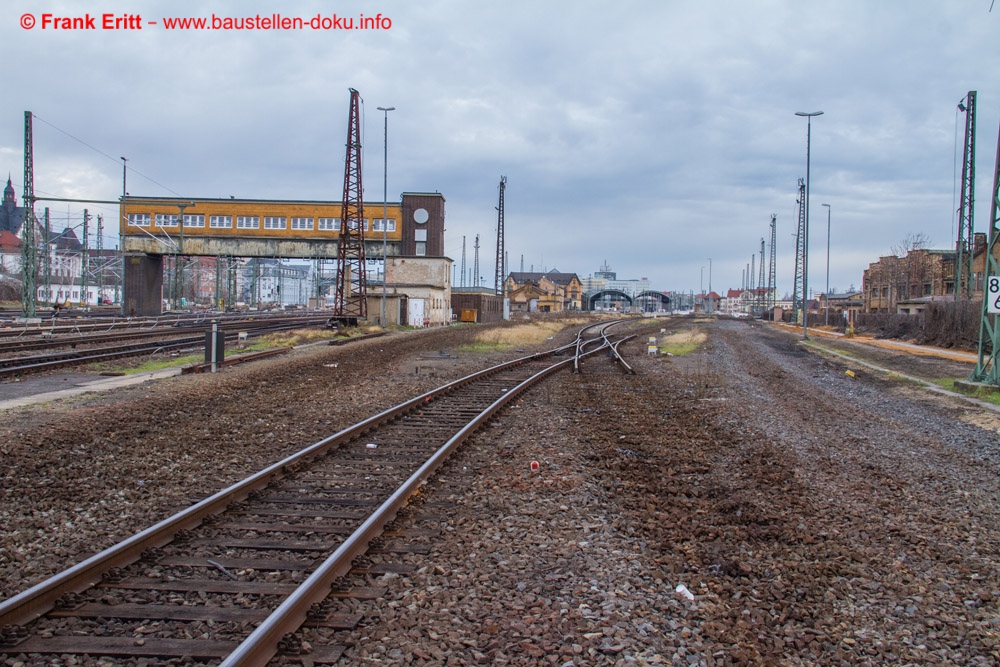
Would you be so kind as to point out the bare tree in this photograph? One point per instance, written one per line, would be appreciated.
(913, 265)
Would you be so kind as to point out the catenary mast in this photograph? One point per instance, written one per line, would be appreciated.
(350, 297)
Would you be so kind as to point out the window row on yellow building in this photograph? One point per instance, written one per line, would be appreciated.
(198, 221)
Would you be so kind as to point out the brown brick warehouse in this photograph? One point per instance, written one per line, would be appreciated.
(815, 519)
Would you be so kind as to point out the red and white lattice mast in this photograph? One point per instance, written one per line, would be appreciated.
(350, 297)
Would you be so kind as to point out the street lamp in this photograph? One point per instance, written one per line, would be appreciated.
(121, 237)
(828, 209)
(709, 285)
(805, 241)
(385, 205)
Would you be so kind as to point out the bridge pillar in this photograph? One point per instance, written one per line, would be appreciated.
(142, 293)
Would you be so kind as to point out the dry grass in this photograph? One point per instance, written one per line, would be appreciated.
(682, 342)
(293, 338)
(531, 333)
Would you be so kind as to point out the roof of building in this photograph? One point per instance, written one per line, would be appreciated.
(9, 241)
(555, 276)
(66, 240)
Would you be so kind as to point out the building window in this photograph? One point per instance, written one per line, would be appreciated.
(247, 222)
(379, 223)
(885, 292)
(274, 223)
(166, 220)
(329, 224)
(303, 223)
(194, 220)
(927, 288)
(356, 225)
(138, 219)
(420, 235)
(221, 221)
(420, 250)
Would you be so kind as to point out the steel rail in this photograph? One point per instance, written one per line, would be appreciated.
(581, 343)
(262, 644)
(40, 598)
(618, 356)
(53, 361)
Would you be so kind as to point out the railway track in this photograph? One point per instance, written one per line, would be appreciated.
(234, 576)
(107, 346)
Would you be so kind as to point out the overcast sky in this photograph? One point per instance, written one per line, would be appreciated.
(651, 135)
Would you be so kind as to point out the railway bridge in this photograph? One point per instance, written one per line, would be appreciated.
(154, 228)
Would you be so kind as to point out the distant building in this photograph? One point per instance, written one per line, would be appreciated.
(11, 215)
(920, 273)
(549, 292)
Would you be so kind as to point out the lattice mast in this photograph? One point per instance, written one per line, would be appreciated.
(798, 297)
(46, 258)
(963, 246)
(85, 261)
(989, 331)
(475, 264)
(501, 260)
(772, 274)
(100, 258)
(350, 296)
(29, 293)
(761, 295)
(463, 261)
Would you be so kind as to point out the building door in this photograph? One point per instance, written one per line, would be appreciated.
(415, 316)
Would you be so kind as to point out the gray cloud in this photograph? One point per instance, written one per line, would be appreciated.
(650, 135)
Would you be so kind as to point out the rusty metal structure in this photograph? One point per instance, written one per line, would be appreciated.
(963, 246)
(350, 296)
(498, 281)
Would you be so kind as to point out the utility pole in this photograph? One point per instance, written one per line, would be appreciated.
(989, 329)
(758, 297)
(29, 295)
(963, 246)
(120, 283)
(385, 204)
(47, 259)
(100, 257)
(800, 250)
(500, 264)
(475, 264)
(351, 298)
(85, 262)
(463, 260)
(772, 282)
(805, 237)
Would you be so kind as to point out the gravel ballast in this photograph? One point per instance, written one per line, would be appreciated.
(749, 503)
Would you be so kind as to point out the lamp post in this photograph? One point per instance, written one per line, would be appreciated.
(701, 288)
(827, 299)
(805, 244)
(121, 238)
(385, 205)
(709, 285)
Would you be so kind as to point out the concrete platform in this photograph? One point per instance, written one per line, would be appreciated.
(43, 389)
(972, 388)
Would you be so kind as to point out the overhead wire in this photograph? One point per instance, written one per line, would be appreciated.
(132, 170)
